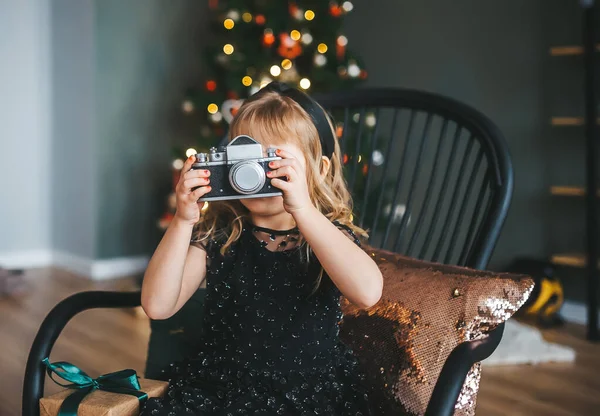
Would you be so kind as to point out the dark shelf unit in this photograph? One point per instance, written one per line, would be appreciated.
(590, 37)
(589, 259)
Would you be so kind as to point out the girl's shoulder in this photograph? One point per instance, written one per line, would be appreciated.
(211, 243)
(346, 229)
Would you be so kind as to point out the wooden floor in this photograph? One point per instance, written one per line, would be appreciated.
(109, 340)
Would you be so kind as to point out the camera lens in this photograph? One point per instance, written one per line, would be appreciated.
(247, 177)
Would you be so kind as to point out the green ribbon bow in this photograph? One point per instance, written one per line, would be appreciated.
(123, 382)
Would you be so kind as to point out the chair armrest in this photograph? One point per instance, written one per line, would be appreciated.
(455, 370)
(50, 329)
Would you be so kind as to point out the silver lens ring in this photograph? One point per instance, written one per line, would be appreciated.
(247, 177)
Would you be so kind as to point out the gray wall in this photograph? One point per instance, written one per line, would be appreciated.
(147, 53)
(119, 70)
(24, 128)
(90, 92)
(493, 56)
(74, 147)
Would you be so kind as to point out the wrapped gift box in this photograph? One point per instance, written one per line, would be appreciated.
(102, 403)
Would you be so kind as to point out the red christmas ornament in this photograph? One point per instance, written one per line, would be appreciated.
(213, 4)
(232, 95)
(345, 159)
(365, 169)
(339, 131)
(293, 9)
(268, 39)
(363, 74)
(288, 47)
(211, 85)
(260, 19)
(335, 10)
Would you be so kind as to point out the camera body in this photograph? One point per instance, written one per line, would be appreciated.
(238, 170)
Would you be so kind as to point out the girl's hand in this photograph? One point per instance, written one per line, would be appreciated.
(188, 207)
(294, 188)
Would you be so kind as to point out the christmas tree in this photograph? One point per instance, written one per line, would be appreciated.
(255, 42)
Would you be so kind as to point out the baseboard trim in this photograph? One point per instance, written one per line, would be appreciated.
(75, 264)
(118, 267)
(575, 312)
(25, 259)
(103, 269)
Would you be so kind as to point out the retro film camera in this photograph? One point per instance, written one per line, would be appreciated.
(238, 170)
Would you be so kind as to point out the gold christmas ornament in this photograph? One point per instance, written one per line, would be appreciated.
(247, 81)
(229, 24)
(212, 108)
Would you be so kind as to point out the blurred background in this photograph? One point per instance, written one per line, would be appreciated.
(101, 99)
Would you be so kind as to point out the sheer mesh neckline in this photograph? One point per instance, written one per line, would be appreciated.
(275, 240)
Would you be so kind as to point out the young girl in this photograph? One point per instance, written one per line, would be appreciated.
(274, 268)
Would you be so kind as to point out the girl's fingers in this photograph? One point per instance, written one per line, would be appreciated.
(286, 171)
(200, 192)
(288, 159)
(188, 164)
(283, 185)
(188, 184)
(283, 162)
(284, 154)
(196, 173)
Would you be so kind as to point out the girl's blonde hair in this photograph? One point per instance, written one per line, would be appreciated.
(271, 118)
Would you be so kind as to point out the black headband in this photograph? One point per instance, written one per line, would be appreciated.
(314, 110)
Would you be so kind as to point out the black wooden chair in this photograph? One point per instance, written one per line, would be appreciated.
(431, 178)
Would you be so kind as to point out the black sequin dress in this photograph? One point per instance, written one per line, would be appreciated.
(271, 342)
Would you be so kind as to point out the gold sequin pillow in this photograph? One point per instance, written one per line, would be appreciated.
(425, 311)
